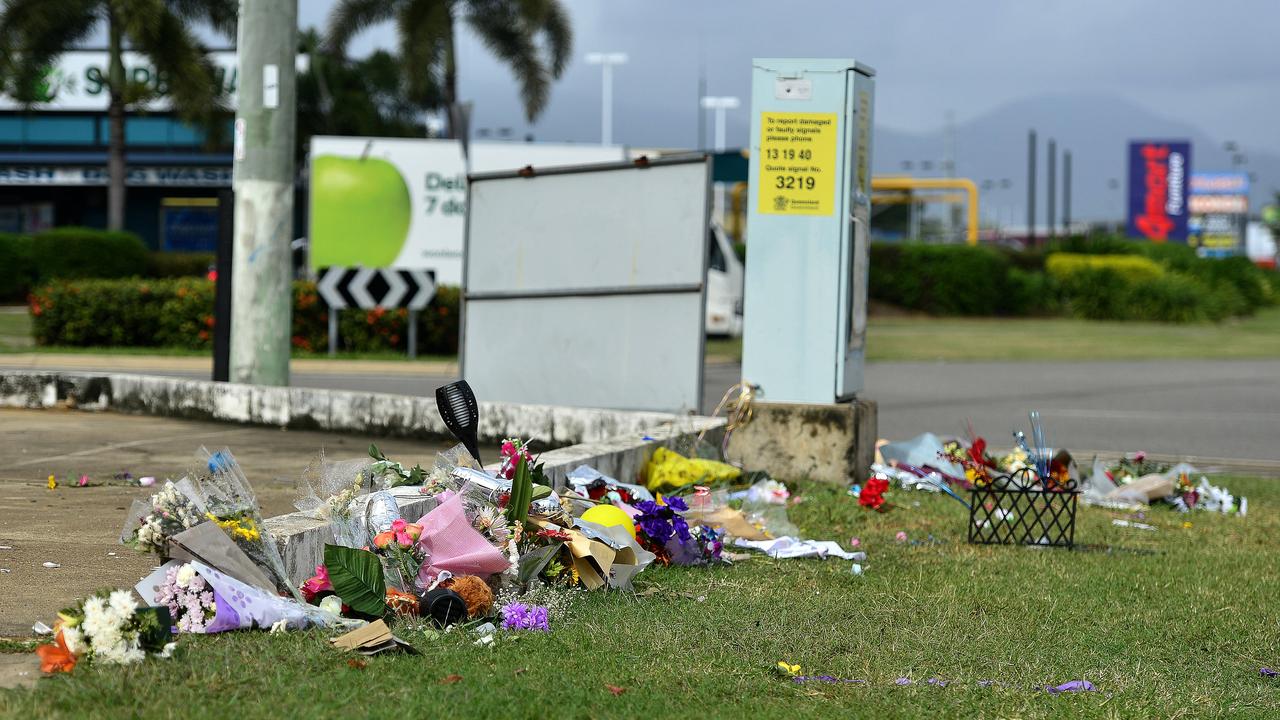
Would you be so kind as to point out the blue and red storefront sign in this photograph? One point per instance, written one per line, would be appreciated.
(1159, 172)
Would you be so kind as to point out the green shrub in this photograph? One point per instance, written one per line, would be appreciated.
(17, 268)
(1173, 297)
(1095, 293)
(179, 264)
(179, 313)
(1097, 245)
(76, 252)
(941, 279)
(1132, 267)
(1031, 293)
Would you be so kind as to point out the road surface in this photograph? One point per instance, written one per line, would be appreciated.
(1206, 408)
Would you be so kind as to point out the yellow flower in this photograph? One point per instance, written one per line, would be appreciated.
(1186, 525)
(52, 482)
(786, 669)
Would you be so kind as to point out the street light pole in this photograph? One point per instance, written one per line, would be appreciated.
(263, 180)
(720, 105)
(606, 61)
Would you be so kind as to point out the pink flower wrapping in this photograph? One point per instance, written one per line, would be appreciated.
(450, 543)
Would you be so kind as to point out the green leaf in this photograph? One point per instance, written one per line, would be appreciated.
(155, 628)
(534, 561)
(375, 453)
(540, 491)
(357, 578)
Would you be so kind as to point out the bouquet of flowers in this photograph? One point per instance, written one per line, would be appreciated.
(203, 599)
(512, 451)
(871, 494)
(189, 599)
(663, 531)
(109, 628)
(230, 502)
(150, 524)
(398, 547)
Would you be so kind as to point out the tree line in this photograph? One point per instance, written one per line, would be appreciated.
(387, 93)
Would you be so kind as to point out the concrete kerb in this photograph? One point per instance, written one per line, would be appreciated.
(617, 443)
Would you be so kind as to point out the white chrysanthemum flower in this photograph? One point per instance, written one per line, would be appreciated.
(73, 640)
(185, 575)
(123, 604)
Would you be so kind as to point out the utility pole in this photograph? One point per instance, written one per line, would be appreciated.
(1053, 189)
(606, 61)
(1031, 187)
(263, 179)
(1066, 193)
(720, 105)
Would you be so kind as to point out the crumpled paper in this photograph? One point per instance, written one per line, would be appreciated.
(790, 547)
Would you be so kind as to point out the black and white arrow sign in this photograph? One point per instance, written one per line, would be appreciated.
(367, 288)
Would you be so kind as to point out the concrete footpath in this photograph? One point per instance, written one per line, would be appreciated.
(78, 528)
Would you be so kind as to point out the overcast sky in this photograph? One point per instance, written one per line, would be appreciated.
(1214, 65)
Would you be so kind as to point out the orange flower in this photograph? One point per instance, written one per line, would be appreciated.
(383, 539)
(56, 657)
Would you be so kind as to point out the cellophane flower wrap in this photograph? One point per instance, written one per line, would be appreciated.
(235, 605)
(231, 503)
(150, 523)
(331, 491)
(189, 598)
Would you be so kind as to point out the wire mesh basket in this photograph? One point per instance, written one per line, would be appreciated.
(1023, 512)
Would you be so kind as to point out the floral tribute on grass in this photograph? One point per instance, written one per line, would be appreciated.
(498, 552)
(108, 628)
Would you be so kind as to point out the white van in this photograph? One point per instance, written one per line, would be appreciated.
(724, 285)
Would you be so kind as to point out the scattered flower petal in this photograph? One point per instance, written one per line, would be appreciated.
(615, 689)
(450, 679)
(1073, 686)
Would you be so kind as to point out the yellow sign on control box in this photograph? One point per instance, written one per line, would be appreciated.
(797, 163)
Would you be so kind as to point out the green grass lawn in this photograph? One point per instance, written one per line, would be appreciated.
(921, 339)
(892, 339)
(15, 331)
(1169, 623)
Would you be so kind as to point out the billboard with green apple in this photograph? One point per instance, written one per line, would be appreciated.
(402, 202)
(387, 203)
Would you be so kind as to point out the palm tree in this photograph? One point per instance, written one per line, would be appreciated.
(33, 33)
(351, 97)
(533, 37)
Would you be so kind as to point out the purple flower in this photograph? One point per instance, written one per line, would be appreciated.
(676, 503)
(519, 616)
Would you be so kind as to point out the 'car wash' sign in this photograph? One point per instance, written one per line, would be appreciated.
(27, 175)
(1158, 175)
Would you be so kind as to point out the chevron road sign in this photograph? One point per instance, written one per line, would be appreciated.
(367, 288)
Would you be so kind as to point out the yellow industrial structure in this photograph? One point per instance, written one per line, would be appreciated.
(903, 189)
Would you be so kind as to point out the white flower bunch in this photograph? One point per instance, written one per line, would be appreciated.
(106, 630)
(171, 513)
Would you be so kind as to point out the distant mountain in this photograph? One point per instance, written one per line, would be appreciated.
(994, 147)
